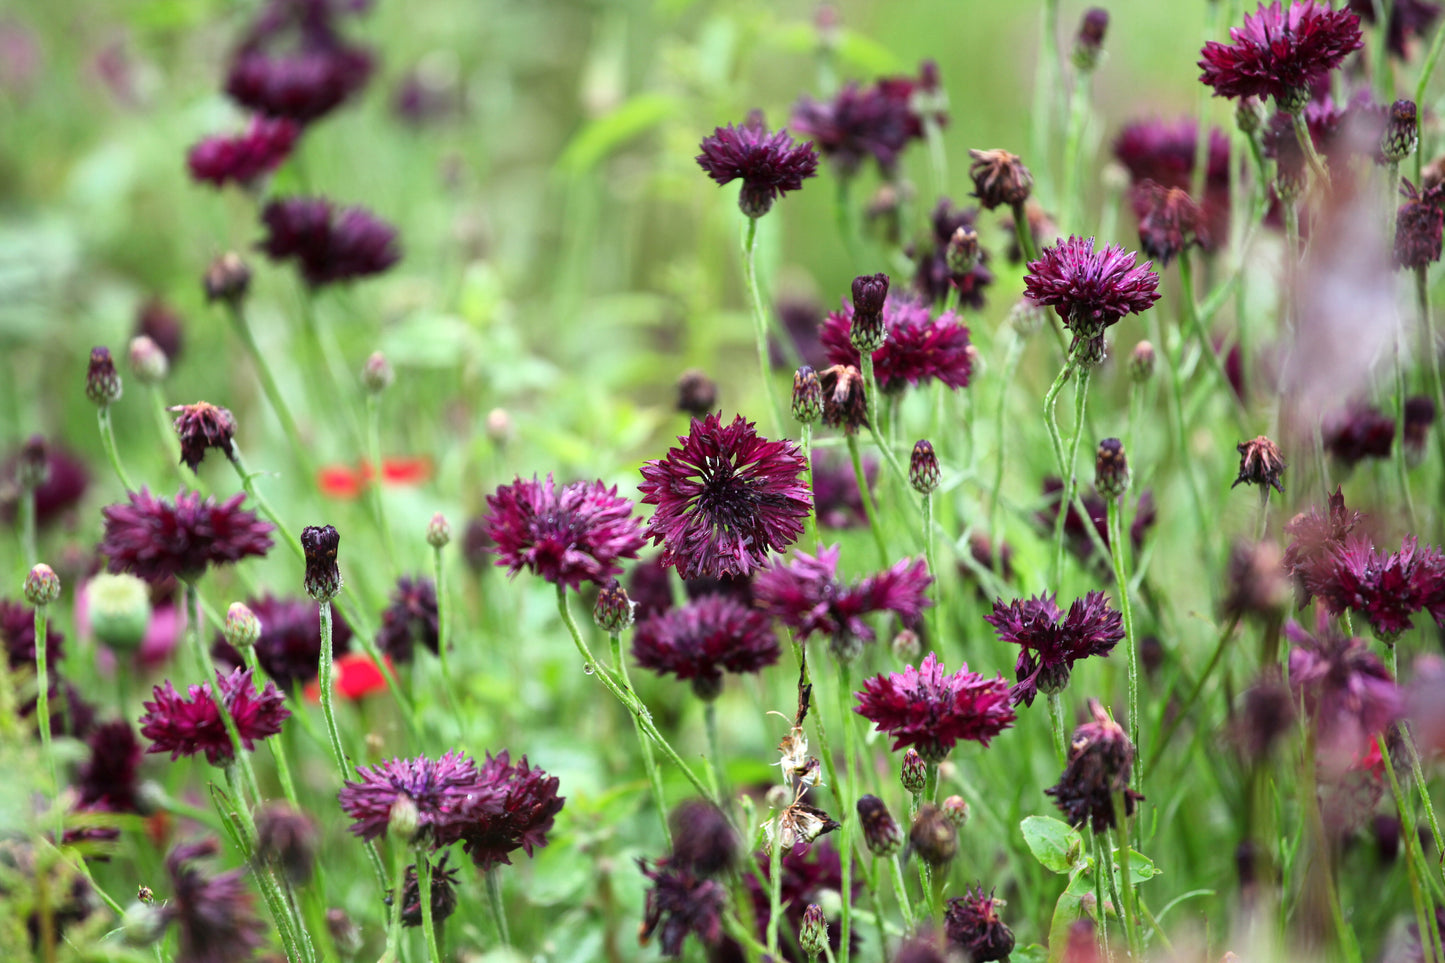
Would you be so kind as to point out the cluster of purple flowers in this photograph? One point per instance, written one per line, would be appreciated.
(917, 347)
(878, 121)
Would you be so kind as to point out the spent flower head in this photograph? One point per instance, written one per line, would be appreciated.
(972, 926)
(1260, 464)
(1101, 759)
(328, 246)
(529, 805)
(1000, 179)
(202, 426)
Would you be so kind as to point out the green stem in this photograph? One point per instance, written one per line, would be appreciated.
(775, 886)
(398, 892)
(1128, 910)
(1307, 144)
(1069, 474)
(1417, 771)
(1022, 232)
(1121, 580)
(283, 914)
(1056, 722)
(440, 574)
(900, 889)
(1411, 843)
(869, 509)
(850, 777)
(936, 611)
(1186, 710)
(1102, 869)
(1401, 470)
(760, 319)
(806, 444)
(1051, 422)
(1073, 139)
(870, 390)
(107, 441)
(715, 758)
(1427, 327)
(1191, 316)
(654, 775)
(326, 672)
(627, 698)
(424, 884)
(299, 450)
(241, 758)
(166, 429)
(1045, 84)
(29, 553)
(373, 484)
(843, 212)
(995, 501)
(1422, 86)
(499, 909)
(42, 716)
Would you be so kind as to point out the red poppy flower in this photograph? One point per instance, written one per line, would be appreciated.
(344, 481)
(356, 676)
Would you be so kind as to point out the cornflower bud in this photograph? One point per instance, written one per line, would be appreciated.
(403, 820)
(956, 809)
(1111, 469)
(923, 468)
(807, 396)
(438, 531)
(914, 772)
(696, 393)
(1141, 362)
(870, 291)
(614, 610)
(227, 279)
(242, 629)
(999, 178)
(377, 374)
(1250, 115)
(102, 381)
(148, 362)
(119, 607)
(323, 578)
(42, 585)
(962, 253)
(934, 836)
(1026, 317)
(813, 934)
(499, 426)
(907, 646)
(1402, 132)
(1089, 42)
(880, 830)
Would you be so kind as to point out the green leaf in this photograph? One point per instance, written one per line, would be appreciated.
(1068, 909)
(1141, 869)
(1055, 844)
(601, 137)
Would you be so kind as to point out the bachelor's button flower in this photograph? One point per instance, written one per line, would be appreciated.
(680, 903)
(201, 426)
(1408, 18)
(1419, 225)
(1347, 693)
(972, 925)
(1358, 432)
(935, 276)
(155, 539)
(1315, 535)
(918, 347)
(328, 246)
(1387, 589)
(191, 724)
(443, 894)
(567, 534)
(243, 158)
(1281, 52)
(107, 780)
(1090, 290)
(703, 639)
(931, 710)
(702, 838)
(768, 164)
(447, 793)
(411, 618)
(17, 631)
(529, 805)
(1050, 643)
(1101, 759)
(861, 122)
(215, 913)
(1170, 222)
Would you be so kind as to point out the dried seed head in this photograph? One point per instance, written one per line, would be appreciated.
(148, 362)
(1260, 463)
(696, 393)
(1402, 132)
(438, 531)
(807, 396)
(42, 585)
(999, 178)
(102, 381)
(242, 629)
(914, 772)
(923, 468)
(1141, 362)
(934, 836)
(200, 427)
(377, 374)
(880, 830)
(1111, 468)
(227, 279)
(614, 610)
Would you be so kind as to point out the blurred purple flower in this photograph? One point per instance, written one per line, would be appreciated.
(65, 481)
(1358, 432)
(837, 500)
(862, 122)
(1315, 536)
(1346, 690)
(704, 638)
(1164, 152)
(918, 347)
(17, 632)
(216, 914)
(243, 158)
(680, 903)
(972, 925)
(293, 61)
(190, 724)
(411, 618)
(107, 781)
(934, 280)
(327, 246)
(156, 539)
(1408, 19)
(289, 648)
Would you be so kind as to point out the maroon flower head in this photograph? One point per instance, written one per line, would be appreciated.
(807, 871)
(935, 277)
(243, 158)
(836, 497)
(215, 913)
(703, 639)
(107, 780)
(1315, 535)
(201, 426)
(702, 838)
(411, 618)
(529, 805)
(972, 926)
(1357, 433)
(1089, 289)
(931, 711)
(327, 246)
(1408, 18)
(1281, 53)
(649, 587)
(1347, 693)
(17, 631)
(1101, 759)
(566, 535)
(807, 596)
(60, 480)
(1169, 221)
(443, 894)
(1050, 642)
(680, 903)
(1076, 526)
(293, 62)
(1419, 225)
(156, 539)
(769, 165)
(918, 347)
(289, 648)
(1164, 152)
(448, 793)
(861, 122)
(725, 499)
(190, 724)
(1387, 589)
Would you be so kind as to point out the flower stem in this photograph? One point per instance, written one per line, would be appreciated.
(1073, 139)
(1067, 468)
(1051, 422)
(1432, 349)
(869, 509)
(1023, 232)
(398, 891)
(1101, 868)
(1307, 144)
(627, 698)
(299, 450)
(806, 444)
(1129, 910)
(107, 441)
(499, 909)
(1186, 710)
(995, 502)
(900, 889)
(1429, 936)
(424, 885)
(1121, 579)
(649, 761)
(936, 610)
(1045, 82)
(1056, 722)
(760, 318)
(1401, 470)
(326, 670)
(42, 716)
(373, 484)
(1422, 86)
(715, 759)
(775, 886)
(850, 762)
(1191, 317)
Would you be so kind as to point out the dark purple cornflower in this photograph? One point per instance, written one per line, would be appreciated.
(566, 535)
(935, 278)
(190, 724)
(156, 539)
(769, 165)
(243, 158)
(649, 587)
(449, 794)
(107, 780)
(1090, 290)
(725, 499)
(1419, 225)
(1169, 221)
(159, 321)
(862, 122)
(286, 838)
(1419, 418)
(1347, 693)
(215, 913)
(1281, 53)
(529, 805)
(443, 894)
(931, 710)
(17, 631)
(1408, 19)
(1358, 432)
(837, 500)
(328, 246)
(680, 903)
(702, 838)
(1101, 759)
(973, 927)
(289, 647)
(1387, 589)
(411, 618)
(201, 426)
(1164, 152)
(60, 480)
(703, 639)
(801, 318)
(1051, 642)
(807, 596)
(294, 63)
(1315, 536)
(919, 347)
(1266, 715)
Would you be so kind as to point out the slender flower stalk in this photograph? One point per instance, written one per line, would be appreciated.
(1067, 462)
(42, 714)
(869, 508)
(299, 450)
(649, 760)
(1046, 73)
(1010, 369)
(1196, 327)
(760, 318)
(398, 888)
(373, 447)
(424, 887)
(1126, 609)
(1427, 326)
(107, 441)
(494, 902)
(1078, 119)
